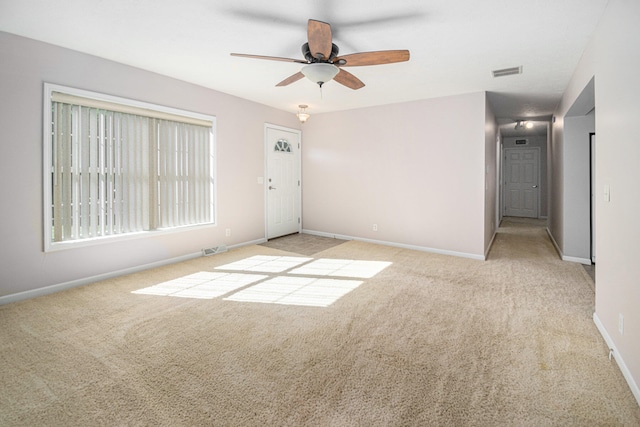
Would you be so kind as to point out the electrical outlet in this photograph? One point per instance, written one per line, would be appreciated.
(621, 324)
(375, 227)
(227, 232)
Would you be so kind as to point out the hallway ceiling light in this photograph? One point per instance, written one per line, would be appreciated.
(521, 124)
(302, 114)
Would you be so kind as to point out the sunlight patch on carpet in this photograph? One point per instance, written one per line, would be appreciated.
(204, 285)
(294, 287)
(265, 264)
(305, 291)
(342, 268)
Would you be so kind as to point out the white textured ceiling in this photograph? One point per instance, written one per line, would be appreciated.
(454, 44)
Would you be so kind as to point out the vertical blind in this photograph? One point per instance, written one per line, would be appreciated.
(117, 172)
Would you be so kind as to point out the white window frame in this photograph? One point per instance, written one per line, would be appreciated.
(157, 111)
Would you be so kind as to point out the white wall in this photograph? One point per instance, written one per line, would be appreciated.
(24, 67)
(573, 96)
(617, 155)
(577, 185)
(491, 142)
(613, 58)
(555, 167)
(416, 169)
(413, 169)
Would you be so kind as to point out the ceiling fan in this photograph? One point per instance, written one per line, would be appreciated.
(323, 63)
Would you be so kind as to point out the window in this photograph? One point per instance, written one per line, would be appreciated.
(116, 168)
(282, 145)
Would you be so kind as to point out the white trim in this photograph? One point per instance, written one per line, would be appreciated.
(555, 244)
(249, 243)
(20, 296)
(266, 174)
(55, 92)
(329, 235)
(88, 280)
(616, 354)
(585, 261)
(493, 238)
(68, 93)
(397, 245)
(74, 244)
(564, 257)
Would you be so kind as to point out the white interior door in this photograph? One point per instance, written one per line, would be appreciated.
(522, 186)
(283, 181)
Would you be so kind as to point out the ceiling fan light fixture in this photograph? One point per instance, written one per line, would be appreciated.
(320, 72)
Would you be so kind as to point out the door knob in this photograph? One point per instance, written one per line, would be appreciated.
(272, 188)
(534, 186)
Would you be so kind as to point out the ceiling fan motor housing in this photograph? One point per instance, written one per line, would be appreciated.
(306, 52)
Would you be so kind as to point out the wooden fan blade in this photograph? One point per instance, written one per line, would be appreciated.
(320, 40)
(349, 80)
(270, 58)
(294, 78)
(372, 58)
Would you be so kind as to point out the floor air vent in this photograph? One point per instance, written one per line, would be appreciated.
(214, 250)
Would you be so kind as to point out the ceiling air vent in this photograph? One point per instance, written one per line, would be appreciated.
(507, 71)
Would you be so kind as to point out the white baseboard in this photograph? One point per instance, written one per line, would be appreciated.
(586, 261)
(324, 234)
(249, 243)
(6, 299)
(486, 252)
(87, 280)
(555, 244)
(619, 360)
(397, 245)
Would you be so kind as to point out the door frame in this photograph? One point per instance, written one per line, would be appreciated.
(503, 178)
(265, 180)
(592, 195)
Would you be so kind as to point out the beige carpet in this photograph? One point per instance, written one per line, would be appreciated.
(430, 340)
